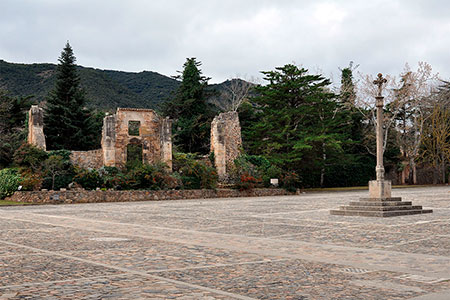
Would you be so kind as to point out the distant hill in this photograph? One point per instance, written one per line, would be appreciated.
(105, 89)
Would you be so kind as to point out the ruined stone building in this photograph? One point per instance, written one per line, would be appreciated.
(130, 130)
(141, 128)
(134, 133)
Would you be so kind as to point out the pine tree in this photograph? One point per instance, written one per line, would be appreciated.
(12, 125)
(299, 125)
(68, 124)
(348, 94)
(191, 112)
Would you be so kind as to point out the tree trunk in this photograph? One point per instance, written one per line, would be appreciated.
(322, 171)
(414, 171)
(443, 172)
(435, 174)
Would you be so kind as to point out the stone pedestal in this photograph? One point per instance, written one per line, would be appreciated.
(380, 203)
(380, 207)
(380, 189)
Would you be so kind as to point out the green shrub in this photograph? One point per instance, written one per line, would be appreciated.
(29, 156)
(65, 154)
(9, 182)
(58, 172)
(272, 172)
(153, 177)
(290, 181)
(29, 180)
(193, 173)
(88, 179)
(112, 177)
(247, 182)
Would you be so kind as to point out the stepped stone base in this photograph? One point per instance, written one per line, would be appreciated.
(380, 207)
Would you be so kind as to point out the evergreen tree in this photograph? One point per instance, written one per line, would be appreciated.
(68, 124)
(191, 112)
(348, 94)
(299, 126)
(354, 166)
(13, 120)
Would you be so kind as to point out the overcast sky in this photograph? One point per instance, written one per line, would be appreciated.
(230, 37)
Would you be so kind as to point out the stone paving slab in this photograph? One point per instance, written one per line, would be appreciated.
(285, 247)
(41, 268)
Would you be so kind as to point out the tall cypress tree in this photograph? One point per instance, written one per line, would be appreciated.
(68, 124)
(190, 110)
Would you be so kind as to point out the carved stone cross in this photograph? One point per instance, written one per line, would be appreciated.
(379, 81)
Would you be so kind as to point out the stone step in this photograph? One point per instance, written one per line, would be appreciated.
(379, 213)
(381, 203)
(381, 199)
(380, 208)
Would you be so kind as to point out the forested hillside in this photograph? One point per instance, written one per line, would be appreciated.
(105, 89)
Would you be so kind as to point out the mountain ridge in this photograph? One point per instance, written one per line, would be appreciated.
(105, 89)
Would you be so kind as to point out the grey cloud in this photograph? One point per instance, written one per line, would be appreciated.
(229, 37)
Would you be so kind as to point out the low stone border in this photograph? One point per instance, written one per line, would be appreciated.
(85, 196)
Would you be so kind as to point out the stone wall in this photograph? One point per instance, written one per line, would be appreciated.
(226, 141)
(87, 159)
(84, 196)
(36, 135)
(154, 136)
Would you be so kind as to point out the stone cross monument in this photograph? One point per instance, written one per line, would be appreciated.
(380, 188)
(380, 203)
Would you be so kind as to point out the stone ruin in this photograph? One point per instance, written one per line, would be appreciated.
(150, 134)
(143, 131)
(36, 135)
(226, 141)
(139, 127)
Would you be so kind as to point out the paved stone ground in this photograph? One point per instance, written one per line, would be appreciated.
(286, 247)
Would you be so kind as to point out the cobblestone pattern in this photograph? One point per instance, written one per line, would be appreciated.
(285, 247)
(85, 196)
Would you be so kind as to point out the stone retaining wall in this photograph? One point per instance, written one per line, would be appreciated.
(84, 196)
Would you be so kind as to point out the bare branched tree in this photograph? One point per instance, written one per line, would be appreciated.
(236, 91)
(414, 99)
(436, 138)
(406, 101)
(366, 92)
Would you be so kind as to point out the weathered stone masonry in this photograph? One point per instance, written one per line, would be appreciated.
(36, 135)
(84, 196)
(149, 132)
(154, 136)
(226, 141)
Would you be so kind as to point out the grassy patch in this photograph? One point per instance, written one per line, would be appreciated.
(7, 203)
(357, 188)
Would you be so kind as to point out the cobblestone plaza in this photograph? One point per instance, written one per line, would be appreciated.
(285, 247)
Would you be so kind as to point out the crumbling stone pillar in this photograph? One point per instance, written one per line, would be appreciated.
(226, 141)
(36, 135)
(166, 141)
(109, 141)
